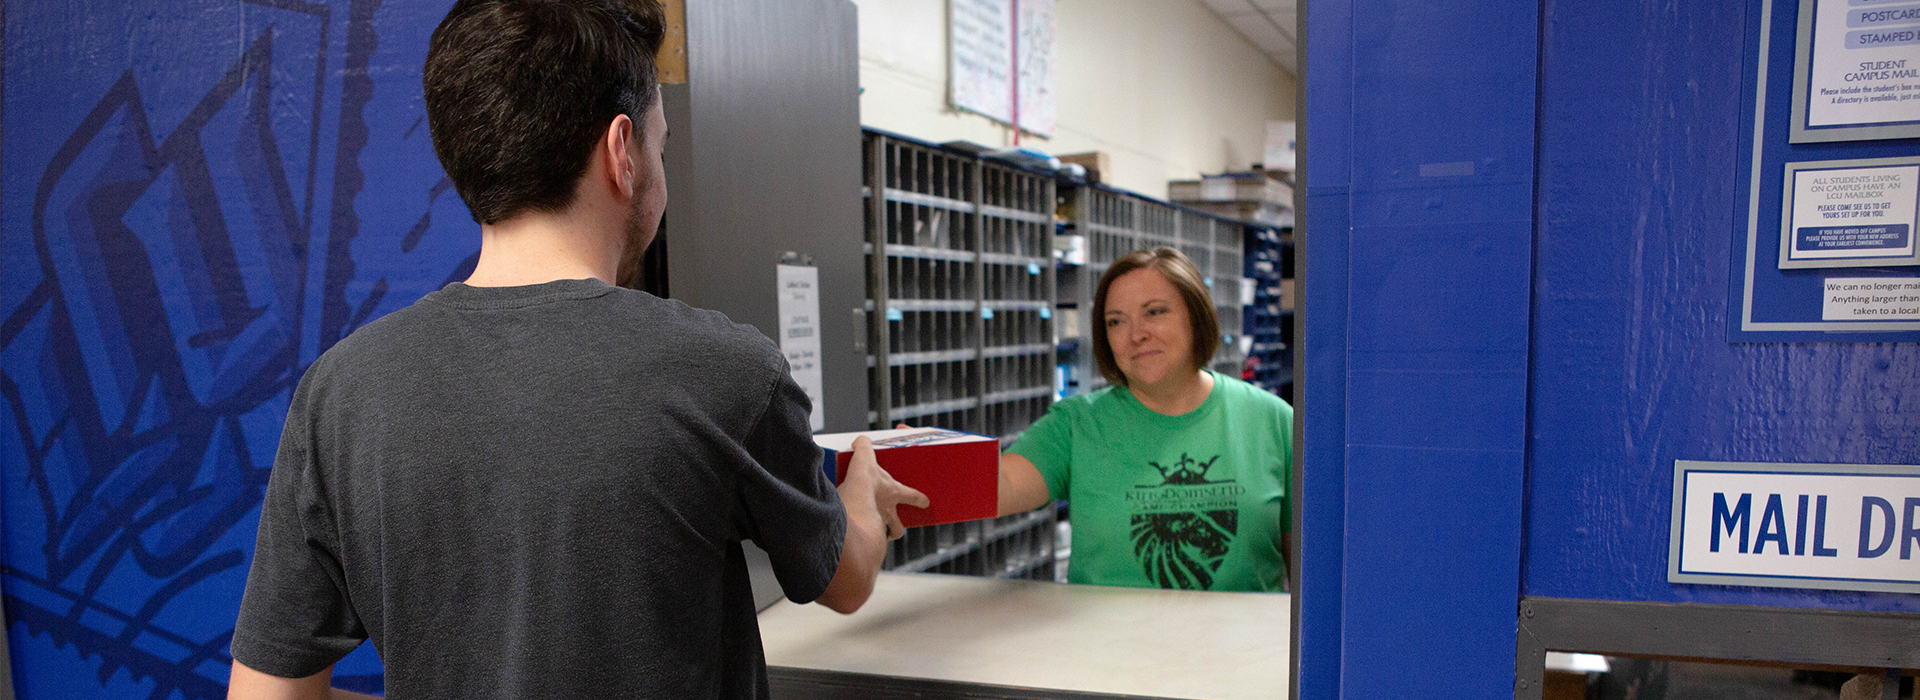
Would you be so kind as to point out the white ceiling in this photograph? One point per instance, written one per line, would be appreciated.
(1269, 24)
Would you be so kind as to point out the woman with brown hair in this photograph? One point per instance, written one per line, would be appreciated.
(1177, 474)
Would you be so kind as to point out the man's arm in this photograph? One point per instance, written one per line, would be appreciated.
(872, 499)
(248, 684)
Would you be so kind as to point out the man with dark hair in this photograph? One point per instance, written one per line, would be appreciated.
(535, 483)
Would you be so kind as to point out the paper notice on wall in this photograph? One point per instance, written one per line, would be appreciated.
(1872, 299)
(1854, 213)
(1866, 63)
(1034, 57)
(799, 310)
(991, 49)
(1281, 151)
(980, 54)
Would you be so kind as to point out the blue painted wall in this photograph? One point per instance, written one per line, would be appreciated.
(1418, 256)
(1503, 361)
(1320, 397)
(1642, 177)
(197, 198)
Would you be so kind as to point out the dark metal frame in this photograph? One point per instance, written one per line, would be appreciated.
(812, 684)
(1801, 638)
(1295, 479)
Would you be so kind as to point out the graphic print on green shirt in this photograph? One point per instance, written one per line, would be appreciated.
(1196, 501)
(1182, 525)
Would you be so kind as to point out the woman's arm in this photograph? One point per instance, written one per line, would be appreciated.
(1021, 488)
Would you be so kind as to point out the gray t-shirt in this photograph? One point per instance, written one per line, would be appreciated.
(539, 492)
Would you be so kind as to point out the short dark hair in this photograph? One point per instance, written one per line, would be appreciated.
(519, 91)
(1179, 271)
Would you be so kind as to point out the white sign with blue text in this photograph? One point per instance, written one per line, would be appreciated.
(799, 308)
(1824, 526)
(1866, 63)
(1853, 213)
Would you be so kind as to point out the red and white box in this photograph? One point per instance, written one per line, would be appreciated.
(959, 472)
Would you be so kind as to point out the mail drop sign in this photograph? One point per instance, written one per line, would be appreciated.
(1828, 526)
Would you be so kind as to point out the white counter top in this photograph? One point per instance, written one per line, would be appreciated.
(1177, 644)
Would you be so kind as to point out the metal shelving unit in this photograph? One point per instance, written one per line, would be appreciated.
(1116, 222)
(969, 316)
(961, 297)
(1269, 320)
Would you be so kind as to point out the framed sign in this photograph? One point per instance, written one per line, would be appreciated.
(1847, 527)
(1826, 239)
(1856, 71)
(1849, 213)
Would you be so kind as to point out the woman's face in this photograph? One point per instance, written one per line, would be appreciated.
(1148, 327)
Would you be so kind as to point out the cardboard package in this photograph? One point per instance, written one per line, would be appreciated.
(1231, 187)
(1097, 163)
(959, 472)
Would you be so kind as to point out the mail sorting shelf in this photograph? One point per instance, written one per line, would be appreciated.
(1269, 320)
(1216, 247)
(1116, 222)
(961, 285)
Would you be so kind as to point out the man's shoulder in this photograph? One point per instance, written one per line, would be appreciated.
(664, 340)
(386, 335)
(700, 349)
(619, 312)
(697, 330)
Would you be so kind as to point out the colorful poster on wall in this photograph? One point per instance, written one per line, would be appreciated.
(207, 196)
(1858, 73)
(994, 54)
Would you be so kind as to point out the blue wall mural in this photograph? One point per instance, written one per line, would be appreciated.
(197, 198)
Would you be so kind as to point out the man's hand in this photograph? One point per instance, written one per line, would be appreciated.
(872, 499)
(888, 494)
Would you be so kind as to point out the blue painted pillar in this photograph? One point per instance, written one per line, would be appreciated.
(1418, 246)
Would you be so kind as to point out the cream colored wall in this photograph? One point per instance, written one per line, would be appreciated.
(1165, 87)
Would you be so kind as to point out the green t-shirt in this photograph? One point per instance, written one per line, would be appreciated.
(1194, 501)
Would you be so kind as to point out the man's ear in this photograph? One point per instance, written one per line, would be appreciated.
(622, 171)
